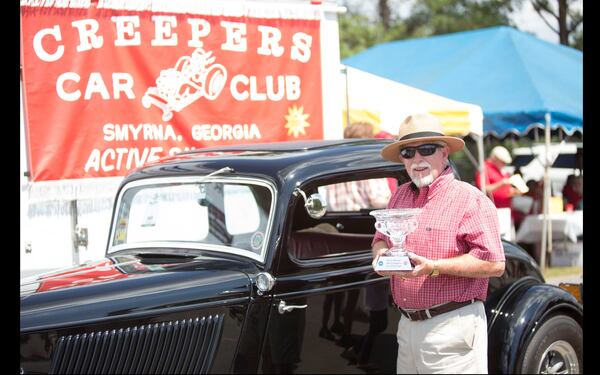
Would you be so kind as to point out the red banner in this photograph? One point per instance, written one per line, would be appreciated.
(109, 90)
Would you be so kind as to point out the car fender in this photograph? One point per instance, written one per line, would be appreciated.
(515, 319)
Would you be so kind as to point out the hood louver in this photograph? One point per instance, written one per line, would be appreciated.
(179, 347)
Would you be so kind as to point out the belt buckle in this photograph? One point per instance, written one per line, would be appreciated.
(423, 314)
(418, 314)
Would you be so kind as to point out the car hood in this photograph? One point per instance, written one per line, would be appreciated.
(129, 286)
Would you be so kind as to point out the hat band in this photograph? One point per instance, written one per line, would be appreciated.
(421, 135)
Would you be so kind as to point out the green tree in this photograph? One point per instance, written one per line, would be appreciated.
(577, 40)
(385, 13)
(358, 31)
(435, 17)
(568, 19)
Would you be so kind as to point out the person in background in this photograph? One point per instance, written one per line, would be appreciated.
(534, 199)
(357, 195)
(497, 184)
(535, 196)
(572, 193)
(455, 249)
(382, 134)
(536, 193)
(392, 182)
(499, 188)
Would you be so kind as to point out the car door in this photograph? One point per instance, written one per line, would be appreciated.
(331, 313)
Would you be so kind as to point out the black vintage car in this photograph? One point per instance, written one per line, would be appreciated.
(225, 260)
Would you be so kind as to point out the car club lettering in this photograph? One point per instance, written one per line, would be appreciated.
(117, 158)
(71, 86)
(216, 73)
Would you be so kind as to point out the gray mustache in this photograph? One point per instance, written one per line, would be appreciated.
(423, 164)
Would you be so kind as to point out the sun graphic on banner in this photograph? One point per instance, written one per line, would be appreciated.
(296, 121)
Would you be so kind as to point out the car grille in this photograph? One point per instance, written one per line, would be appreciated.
(174, 347)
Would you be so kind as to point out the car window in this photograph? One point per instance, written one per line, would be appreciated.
(347, 228)
(317, 242)
(216, 215)
(242, 214)
(164, 213)
(356, 195)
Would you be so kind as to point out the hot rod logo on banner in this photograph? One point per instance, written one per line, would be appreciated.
(108, 90)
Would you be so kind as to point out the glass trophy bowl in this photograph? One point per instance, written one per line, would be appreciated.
(396, 223)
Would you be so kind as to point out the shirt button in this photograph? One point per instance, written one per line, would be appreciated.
(428, 229)
(404, 299)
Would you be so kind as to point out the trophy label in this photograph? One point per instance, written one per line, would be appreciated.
(393, 263)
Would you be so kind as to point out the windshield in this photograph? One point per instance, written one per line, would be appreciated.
(230, 215)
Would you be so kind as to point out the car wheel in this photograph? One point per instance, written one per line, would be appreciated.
(556, 348)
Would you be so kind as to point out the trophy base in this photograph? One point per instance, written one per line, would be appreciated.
(393, 263)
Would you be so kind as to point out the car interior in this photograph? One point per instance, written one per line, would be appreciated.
(337, 233)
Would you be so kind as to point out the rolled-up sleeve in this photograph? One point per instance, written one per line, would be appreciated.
(480, 229)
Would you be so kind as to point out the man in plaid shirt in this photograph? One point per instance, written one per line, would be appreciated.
(455, 249)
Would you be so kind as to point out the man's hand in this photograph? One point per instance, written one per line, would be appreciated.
(423, 266)
(379, 253)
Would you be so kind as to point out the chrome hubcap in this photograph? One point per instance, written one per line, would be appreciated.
(559, 358)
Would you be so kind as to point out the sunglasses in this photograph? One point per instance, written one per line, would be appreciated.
(424, 150)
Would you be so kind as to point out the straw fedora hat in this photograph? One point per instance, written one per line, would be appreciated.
(420, 128)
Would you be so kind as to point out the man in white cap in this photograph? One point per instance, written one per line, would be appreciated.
(455, 249)
(497, 184)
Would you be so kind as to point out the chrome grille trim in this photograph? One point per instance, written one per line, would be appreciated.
(174, 347)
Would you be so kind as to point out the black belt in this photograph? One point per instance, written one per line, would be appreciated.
(434, 311)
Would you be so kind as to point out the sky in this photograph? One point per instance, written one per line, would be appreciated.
(526, 18)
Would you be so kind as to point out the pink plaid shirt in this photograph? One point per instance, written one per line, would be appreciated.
(456, 219)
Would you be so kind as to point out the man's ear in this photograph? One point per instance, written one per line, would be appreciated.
(446, 151)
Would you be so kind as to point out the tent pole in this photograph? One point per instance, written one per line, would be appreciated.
(549, 163)
(481, 165)
(345, 70)
(471, 157)
(547, 224)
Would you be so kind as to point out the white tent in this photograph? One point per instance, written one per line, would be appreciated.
(388, 102)
(392, 102)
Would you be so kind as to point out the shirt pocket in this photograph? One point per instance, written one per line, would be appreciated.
(440, 241)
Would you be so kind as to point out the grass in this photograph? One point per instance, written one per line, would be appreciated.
(552, 272)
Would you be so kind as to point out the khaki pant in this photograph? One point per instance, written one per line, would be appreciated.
(454, 342)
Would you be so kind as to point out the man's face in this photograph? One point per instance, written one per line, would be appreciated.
(424, 169)
(498, 163)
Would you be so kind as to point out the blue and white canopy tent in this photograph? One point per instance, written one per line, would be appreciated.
(515, 77)
(522, 83)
